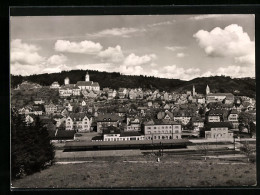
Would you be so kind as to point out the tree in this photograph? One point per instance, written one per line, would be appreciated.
(247, 150)
(252, 127)
(245, 118)
(30, 146)
(203, 148)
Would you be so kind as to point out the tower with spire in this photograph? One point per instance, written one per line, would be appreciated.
(207, 90)
(87, 77)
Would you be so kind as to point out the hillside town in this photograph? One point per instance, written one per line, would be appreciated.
(84, 109)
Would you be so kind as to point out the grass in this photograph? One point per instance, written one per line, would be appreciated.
(172, 171)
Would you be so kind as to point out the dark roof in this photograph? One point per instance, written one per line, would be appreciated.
(106, 116)
(216, 112)
(127, 134)
(61, 134)
(111, 130)
(162, 122)
(233, 111)
(218, 124)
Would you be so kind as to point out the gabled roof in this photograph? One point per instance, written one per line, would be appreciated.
(84, 83)
(77, 116)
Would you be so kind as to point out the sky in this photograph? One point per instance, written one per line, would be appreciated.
(167, 46)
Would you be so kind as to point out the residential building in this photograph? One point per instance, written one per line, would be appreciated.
(107, 119)
(50, 108)
(55, 85)
(215, 115)
(79, 122)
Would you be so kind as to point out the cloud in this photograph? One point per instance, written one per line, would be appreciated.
(134, 60)
(17, 68)
(24, 53)
(206, 16)
(174, 48)
(55, 69)
(231, 41)
(245, 60)
(107, 67)
(120, 32)
(153, 64)
(232, 71)
(180, 55)
(175, 72)
(57, 59)
(161, 23)
(131, 70)
(84, 47)
(112, 54)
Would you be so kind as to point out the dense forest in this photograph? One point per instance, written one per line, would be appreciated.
(223, 84)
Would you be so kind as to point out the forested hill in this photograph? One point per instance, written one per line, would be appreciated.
(245, 86)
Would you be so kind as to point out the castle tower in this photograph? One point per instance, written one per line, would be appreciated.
(67, 81)
(207, 90)
(87, 77)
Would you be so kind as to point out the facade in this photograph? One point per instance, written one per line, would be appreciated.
(233, 118)
(79, 122)
(228, 98)
(215, 115)
(112, 133)
(50, 108)
(159, 129)
(219, 132)
(133, 124)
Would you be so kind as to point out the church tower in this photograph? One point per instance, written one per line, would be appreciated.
(66, 81)
(207, 90)
(87, 77)
(193, 91)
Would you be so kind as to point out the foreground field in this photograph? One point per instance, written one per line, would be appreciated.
(143, 171)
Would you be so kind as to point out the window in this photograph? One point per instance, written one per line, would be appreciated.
(148, 127)
(154, 127)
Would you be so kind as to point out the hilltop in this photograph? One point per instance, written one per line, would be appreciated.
(223, 84)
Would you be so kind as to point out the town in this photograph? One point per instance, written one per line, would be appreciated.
(82, 111)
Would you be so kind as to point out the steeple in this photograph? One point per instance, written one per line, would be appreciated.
(193, 90)
(207, 90)
(87, 77)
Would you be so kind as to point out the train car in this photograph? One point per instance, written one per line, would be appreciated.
(126, 145)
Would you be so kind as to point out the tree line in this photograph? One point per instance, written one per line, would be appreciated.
(115, 80)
